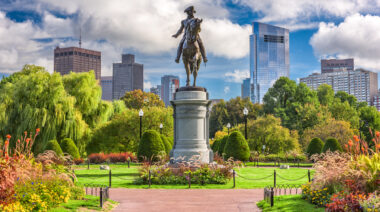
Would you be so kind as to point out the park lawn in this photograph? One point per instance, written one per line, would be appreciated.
(289, 203)
(123, 177)
(90, 202)
(306, 165)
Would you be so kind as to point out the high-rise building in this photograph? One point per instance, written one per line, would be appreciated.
(156, 90)
(269, 58)
(246, 88)
(376, 101)
(106, 83)
(127, 76)
(328, 66)
(360, 83)
(169, 84)
(77, 60)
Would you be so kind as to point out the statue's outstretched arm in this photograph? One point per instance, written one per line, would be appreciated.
(179, 31)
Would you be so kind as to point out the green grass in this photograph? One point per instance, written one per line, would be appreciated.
(123, 177)
(289, 203)
(272, 164)
(90, 202)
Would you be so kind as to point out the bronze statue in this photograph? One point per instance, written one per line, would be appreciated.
(191, 46)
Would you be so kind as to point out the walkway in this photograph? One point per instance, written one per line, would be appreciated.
(183, 200)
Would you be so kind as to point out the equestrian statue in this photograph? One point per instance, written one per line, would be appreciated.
(191, 47)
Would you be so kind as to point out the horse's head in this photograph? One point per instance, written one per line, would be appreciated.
(194, 29)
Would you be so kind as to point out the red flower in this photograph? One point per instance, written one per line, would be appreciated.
(9, 136)
(27, 140)
(37, 130)
(350, 142)
(377, 133)
(356, 138)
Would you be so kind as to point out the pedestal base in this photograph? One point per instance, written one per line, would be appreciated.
(191, 126)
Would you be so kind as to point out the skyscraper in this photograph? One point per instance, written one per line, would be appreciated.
(269, 58)
(246, 88)
(328, 66)
(169, 84)
(156, 90)
(77, 60)
(127, 76)
(106, 83)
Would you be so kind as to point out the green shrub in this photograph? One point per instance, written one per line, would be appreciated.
(315, 147)
(171, 140)
(167, 144)
(151, 146)
(215, 145)
(332, 144)
(68, 146)
(237, 147)
(222, 144)
(54, 146)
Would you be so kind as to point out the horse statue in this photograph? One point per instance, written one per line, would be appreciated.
(191, 55)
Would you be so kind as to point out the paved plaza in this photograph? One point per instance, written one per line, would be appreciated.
(184, 200)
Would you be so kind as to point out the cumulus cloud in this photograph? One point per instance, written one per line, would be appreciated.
(356, 37)
(236, 76)
(147, 85)
(226, 89)
(300, 14)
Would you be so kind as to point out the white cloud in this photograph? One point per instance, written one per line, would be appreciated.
(226, 89)
(301, 14)
(356, 37)
(147, 85)
(236, 76)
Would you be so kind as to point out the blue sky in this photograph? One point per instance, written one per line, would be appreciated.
(31, 29)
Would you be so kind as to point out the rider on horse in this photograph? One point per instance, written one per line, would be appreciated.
(184, 24)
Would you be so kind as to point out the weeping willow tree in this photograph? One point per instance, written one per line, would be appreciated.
(62, 107)
(33, 99)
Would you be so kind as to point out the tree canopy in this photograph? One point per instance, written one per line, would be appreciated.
(137, 99)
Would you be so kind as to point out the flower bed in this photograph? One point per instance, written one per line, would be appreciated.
(111, 157)
(34, 184)
(347, 181)
(180, 173)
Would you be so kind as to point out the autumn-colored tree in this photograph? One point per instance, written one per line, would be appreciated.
(341, 130)
(137, 99)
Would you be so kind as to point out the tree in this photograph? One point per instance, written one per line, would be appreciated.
(232, 112)
(68, 146)
(220, 135)
(325, 94)
(54, 146)
(332, 144)
(151, 146)
(215, 145)
(344, 111)
(122, 132)
(167, 144)
(33, 98)
(315, 147)
(237, 147)
(345, 97)
(137, 99)
(341, 130)
(279, 95)
(371, 119)
(222, 144)
(267, 130)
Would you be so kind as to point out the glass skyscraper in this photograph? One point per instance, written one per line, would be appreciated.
(269, 58)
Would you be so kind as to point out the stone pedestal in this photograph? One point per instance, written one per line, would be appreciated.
(191, 125)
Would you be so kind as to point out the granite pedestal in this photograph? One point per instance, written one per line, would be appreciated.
(191, 125)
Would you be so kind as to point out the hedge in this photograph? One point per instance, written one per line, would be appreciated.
(151, 146)
(54, 146)
(315, 147)
(332, 144)
(68, 146)
(167, 144)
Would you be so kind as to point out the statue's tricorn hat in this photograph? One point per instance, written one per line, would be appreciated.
(191, 8)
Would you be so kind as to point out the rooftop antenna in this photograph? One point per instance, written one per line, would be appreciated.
(80, 37)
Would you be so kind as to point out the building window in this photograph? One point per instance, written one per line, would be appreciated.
(273, 38)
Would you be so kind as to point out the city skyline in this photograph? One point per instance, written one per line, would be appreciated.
(34, 28)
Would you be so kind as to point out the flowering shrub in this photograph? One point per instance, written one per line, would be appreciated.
(318, 197)
(111, 157)
(345, 202)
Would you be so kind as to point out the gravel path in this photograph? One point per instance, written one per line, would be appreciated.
(183, 200)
